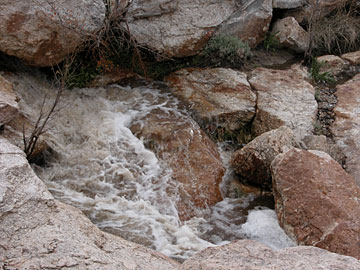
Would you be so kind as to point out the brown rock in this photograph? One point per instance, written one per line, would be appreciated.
(291, 35)
(332, 64)
(253, 161)
(192, 156)
(352, 57)
(346, 127)
(284, 97)
(8, 101)
(317, 202)
(288, 4)
(38, 232)
(219, 98)
(250, 22)
(251, 255)
(44, 32)
(176, 28)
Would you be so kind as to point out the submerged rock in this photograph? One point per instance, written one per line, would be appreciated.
(346, 128)
(284, 97)
(38, 232)
(8, 101)
(248, 254)
(220, 99)
(250, 22)
(176, 28)
(252, 162)
(192, 156)
(44, 32)
(317, 202)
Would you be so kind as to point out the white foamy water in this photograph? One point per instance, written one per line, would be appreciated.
(100, 167)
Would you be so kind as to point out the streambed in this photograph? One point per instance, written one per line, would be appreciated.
(99, 166)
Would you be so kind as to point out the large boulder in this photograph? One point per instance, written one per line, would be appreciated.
(346, 128)
(284, 98)
(252, 255)
(250, 22)
(44, 32)
(38, 232)
(252, 162)
(194, 159)
(291, 35)
(8, 101)
(219, 98)
(317, 202)
(176, 28)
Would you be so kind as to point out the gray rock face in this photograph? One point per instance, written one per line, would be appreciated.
(37, 232)
(250, 22)
(251, 255)
(291, 35)
(317, 202)
(218, 97)
(288, 4)
(346, 128)
(177, 28)
(253, 161)
(8, 103)
(284, 98)
(43, 32)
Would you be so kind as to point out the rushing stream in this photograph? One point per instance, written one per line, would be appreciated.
(99, 166)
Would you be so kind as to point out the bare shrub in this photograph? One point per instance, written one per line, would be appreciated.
(336, 33)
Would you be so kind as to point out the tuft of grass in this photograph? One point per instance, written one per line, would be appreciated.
(271, 41)
(317, 76)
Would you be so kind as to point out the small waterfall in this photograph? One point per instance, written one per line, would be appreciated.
(100, 167)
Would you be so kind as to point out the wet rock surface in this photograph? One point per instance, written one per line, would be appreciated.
(220, 99)
(252, 162)
(44, 32)
(317, 202)
(38, 232)
(192, 156)
(247, 254)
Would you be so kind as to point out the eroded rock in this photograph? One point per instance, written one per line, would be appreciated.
(346, 128)
(176, 28)
(192, 156)
(284, 97)
(253, 161)
(291, 35)
(8, 101)
(317, 202)
(250, 22)
(44, 32)
(219, 98)
(38, 232)
(248, 254)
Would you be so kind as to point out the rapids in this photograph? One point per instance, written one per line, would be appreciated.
(99, 166)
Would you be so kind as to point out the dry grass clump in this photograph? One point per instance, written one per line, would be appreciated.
(336, 33)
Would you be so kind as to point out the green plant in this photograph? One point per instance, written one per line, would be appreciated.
(271, 41)
(317, 75)
(225, 49)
